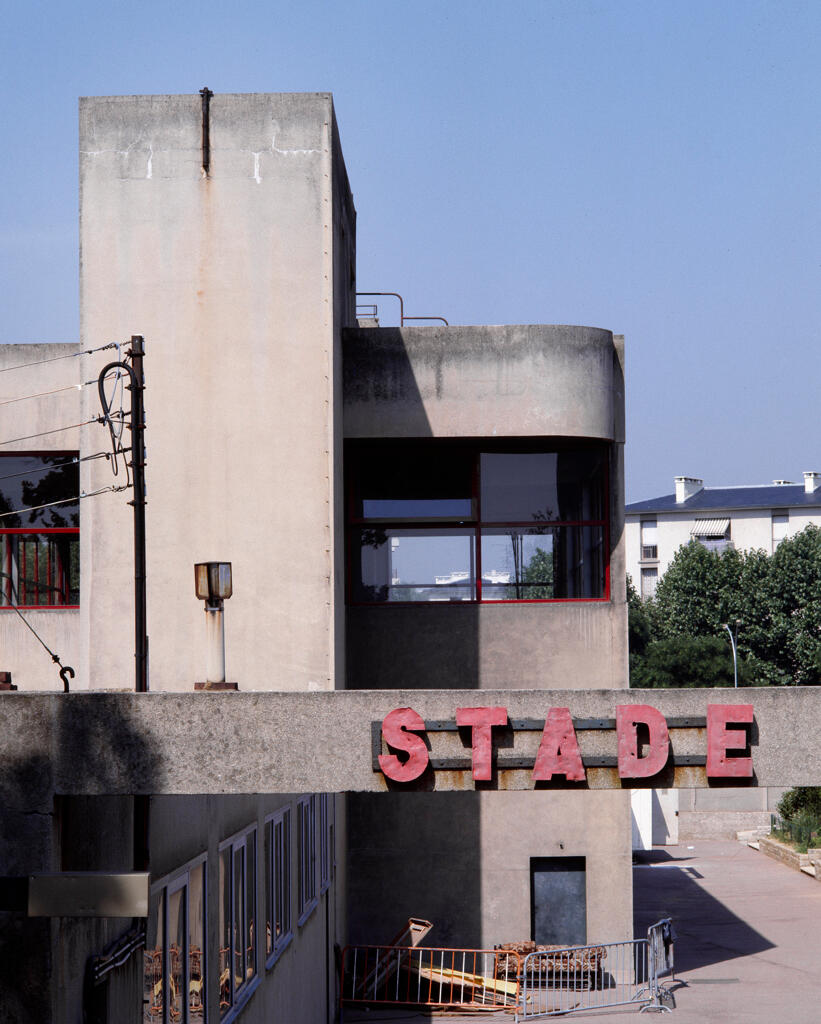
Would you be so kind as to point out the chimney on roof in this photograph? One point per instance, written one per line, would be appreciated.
(686, 487)
(812, 481)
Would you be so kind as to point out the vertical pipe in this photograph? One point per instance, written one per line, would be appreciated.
(138, 469)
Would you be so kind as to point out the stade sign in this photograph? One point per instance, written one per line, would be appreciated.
(642, 734)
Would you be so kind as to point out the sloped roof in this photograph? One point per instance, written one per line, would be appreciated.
(729, 499)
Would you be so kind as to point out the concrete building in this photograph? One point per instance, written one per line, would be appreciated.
(746, 518)
(403, 508)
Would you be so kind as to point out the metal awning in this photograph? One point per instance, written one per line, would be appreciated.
(710, 528)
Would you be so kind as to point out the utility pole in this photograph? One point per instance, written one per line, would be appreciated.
(137, 465)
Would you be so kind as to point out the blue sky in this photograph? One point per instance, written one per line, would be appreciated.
(647, 166)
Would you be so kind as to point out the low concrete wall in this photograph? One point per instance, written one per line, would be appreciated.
(786, 854)
(719, 824)
(268, 742)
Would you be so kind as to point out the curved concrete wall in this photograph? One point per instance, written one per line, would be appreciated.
(531, 380)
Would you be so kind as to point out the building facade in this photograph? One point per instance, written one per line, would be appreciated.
(746, 518)
(417, 508)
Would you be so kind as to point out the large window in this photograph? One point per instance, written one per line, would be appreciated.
(174, 957)
(327, 853)
(443, 520)
(278, 931)
(306, 856)
(237, 917)
(39, 530)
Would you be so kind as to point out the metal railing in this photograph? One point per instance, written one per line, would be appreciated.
(564, 980)
(430, 976)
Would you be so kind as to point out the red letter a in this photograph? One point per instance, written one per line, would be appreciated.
(559, 750)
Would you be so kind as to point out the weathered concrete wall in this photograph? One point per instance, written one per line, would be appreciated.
(464, 862)
(529, 380)
(98, 743)
(236, 280)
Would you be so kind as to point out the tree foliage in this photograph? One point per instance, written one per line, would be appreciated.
(774, 602)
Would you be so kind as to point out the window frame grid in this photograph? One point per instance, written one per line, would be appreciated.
(244, 840)
(180, 879)
(307, 896)
(7, 584)
(281, 817)
(476, 524)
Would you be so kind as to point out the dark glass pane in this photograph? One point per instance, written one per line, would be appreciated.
(196, 943)
(393, 564)
(238, 927)
(538, 564)
(176, 952)
(517, 565)
(270, 886)
(412, 483)
(250, 905)
(224, 971)
(521, 487)
(30, 480)
(153, 960)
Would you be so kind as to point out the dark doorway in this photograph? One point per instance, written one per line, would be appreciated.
(558, 900)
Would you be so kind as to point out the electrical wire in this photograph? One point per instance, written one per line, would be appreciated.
(57, 430)
(73, 461)
(65, 670)
(53, 359)
(66, 501)
(45, 394)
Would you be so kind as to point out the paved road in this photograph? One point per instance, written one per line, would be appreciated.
(749, 939)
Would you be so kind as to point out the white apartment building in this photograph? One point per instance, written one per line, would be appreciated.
(746, 518)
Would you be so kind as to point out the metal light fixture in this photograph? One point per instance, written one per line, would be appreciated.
(212, 581)
(213, 584)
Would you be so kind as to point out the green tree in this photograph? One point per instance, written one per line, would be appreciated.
(683, 661)
(776, 600)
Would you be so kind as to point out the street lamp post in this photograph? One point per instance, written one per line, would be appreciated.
(733, 641)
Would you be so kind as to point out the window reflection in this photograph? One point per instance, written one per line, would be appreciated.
(416, 565)
(174, 958)
(531, 524)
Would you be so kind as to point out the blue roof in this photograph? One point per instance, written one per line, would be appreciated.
(714, 499)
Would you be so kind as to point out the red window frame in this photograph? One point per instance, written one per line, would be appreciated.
(478, 447)
(37, 533)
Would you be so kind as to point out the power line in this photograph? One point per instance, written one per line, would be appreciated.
(57, 430)
(66, 501)
(53, 359)
(73, 461)
(54, 391)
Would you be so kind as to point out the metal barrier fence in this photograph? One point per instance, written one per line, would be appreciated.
(579, 978)
(426, 976)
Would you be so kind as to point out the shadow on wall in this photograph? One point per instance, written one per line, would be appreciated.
(83, 744)
(425, 863)
(708, 931)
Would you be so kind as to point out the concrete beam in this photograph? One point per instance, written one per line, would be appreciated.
(269, 742)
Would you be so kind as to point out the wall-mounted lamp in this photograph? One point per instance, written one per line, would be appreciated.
(213, 584)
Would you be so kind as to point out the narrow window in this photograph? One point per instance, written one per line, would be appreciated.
(327, 808)
(278, 931)
(649, 582)
(780, 525)
(649, 539)
(174, 957)
(237, 905)
(306, 854)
